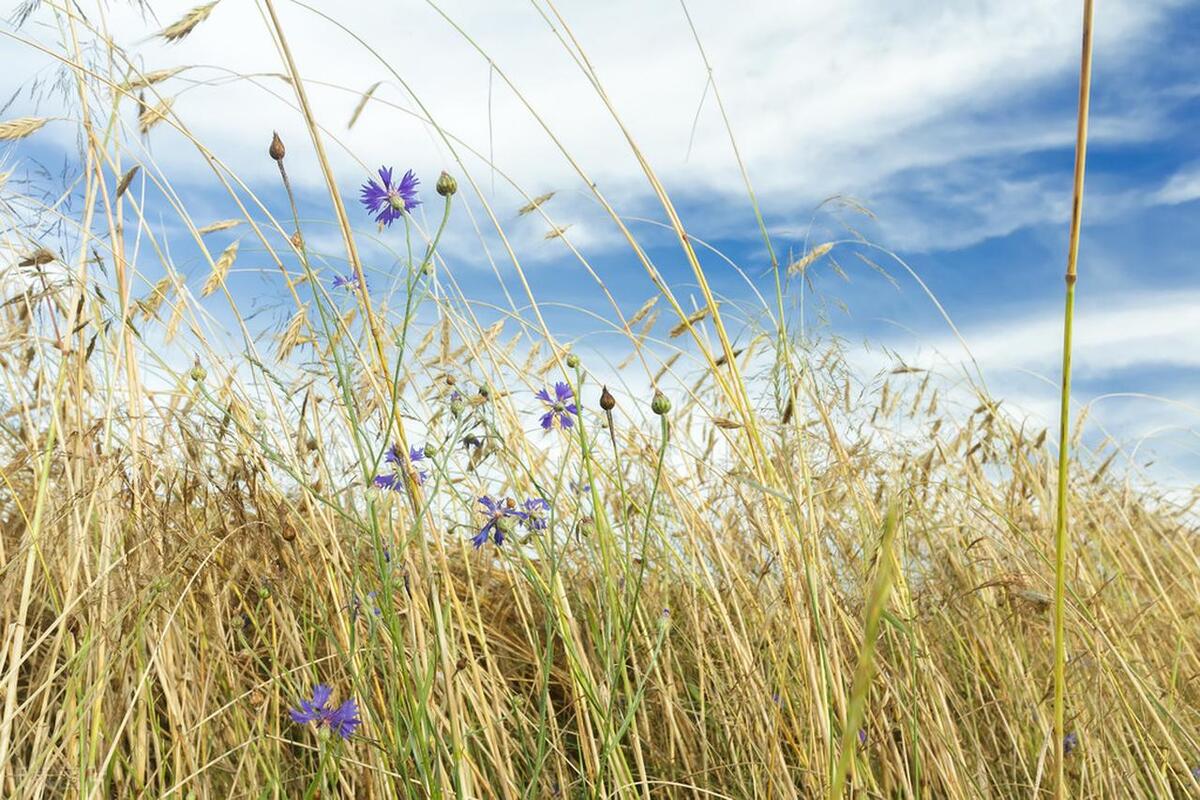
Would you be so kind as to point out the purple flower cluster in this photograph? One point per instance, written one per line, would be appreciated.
(502, 515)
(395, 456)
(390, 201)
(342, 720)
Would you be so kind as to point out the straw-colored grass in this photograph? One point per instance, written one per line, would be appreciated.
(797, 581)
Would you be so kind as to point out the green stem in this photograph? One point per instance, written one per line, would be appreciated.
(1064, 421)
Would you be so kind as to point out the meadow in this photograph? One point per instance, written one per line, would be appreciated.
(408, 541)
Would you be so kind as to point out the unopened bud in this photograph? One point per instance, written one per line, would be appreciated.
(660, 404)
(198, 373)
(457, 405)
(607, 401)
(484, 391)
(446, 185)
(572, 361)
(277, 150)
(430, 450)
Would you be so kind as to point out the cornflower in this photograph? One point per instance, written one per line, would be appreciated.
(562, 410)
(395, 456)
(388, 201)
(535, 513)
(342, 720)
(500, 514)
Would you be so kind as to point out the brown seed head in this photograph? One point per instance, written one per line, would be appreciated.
(607, 401)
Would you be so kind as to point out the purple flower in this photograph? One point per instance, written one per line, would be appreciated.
(1070, 742)
(498, 512)
(390, 201)
(389, 482)
(345, 281)
(341, 720)
(561, 407)
(535, 513)
(580, 488)
(1196, 772)
(395, 456)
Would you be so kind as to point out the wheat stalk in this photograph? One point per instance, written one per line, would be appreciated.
(221, 225)
(152, 116)
(187, 23)
(149, 79)
(21, 127)
(220, 270)
(362, 103)
(809, 258)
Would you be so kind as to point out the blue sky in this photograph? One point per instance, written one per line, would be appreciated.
(953, 122)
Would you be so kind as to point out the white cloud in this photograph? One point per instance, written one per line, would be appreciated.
(824, 98)
(1182, 187)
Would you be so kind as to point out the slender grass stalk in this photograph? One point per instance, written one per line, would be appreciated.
(1064, 418)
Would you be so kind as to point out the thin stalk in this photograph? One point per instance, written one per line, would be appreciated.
(1064, 422)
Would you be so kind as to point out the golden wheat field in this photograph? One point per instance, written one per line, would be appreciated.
(297, 503)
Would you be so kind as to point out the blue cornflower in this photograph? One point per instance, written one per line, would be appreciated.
(341, 720)
(395, 456)
(1196, 772)
(390, 201)
(346, 281)
(561, 407)
(1070, 742)
(498, 513)
(580, 488)
(535, 513)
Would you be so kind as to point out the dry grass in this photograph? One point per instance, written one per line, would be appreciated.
(188, 547)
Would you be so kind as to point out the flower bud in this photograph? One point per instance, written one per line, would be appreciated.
(457, 406)
(607, 401)
(572, 361)
(276, 150)
(660, 404)
(446, 185)
(198, 372)
(484, 391)
(430, 450)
